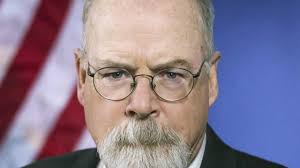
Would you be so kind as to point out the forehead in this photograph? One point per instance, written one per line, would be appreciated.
(177, 8)
(144, 28)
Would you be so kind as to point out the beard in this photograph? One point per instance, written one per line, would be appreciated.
(143, 144)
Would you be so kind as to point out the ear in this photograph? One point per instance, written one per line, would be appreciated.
(81, 75)
(213, 78)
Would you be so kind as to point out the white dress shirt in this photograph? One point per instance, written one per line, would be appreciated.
(196, 162)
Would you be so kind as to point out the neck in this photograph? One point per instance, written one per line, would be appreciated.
(197, 145)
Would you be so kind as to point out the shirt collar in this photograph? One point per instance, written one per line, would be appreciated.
(199, 157)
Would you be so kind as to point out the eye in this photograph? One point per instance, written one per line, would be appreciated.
(171, 75)
(115, 74)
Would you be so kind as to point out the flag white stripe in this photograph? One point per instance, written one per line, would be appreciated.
(15, 19)
(47, 98)
(85, 141)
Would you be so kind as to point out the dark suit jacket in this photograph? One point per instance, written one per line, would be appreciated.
(216, 155)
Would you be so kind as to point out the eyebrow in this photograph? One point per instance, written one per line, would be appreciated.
(171, 64)
(179, 63)
(110, 63)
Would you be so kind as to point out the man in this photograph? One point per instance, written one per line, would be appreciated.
(147, 76)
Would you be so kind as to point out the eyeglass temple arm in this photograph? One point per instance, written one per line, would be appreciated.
(207, 69)
(89, 70)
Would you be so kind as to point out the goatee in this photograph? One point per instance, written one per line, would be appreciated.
(143, 144)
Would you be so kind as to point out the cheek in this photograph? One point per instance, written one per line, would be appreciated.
(101, 115)
(189, 117)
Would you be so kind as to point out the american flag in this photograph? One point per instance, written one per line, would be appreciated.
(39, 112)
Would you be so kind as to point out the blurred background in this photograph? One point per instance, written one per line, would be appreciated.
(259, 78)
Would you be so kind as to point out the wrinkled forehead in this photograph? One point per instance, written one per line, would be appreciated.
(173, 25)
(176, 13)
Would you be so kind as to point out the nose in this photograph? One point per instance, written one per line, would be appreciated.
(142, 102)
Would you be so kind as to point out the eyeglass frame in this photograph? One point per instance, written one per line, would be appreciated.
(151, 77)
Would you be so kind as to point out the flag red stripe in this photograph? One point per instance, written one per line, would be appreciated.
(67, 131)
(31, 56)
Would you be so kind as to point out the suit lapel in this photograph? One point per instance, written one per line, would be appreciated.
(217, 154)
(89, 159)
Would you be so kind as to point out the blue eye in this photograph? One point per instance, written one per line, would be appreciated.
(171, 75)
(115, 75)
(174, 75)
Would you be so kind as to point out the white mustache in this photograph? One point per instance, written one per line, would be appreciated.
(144, 132)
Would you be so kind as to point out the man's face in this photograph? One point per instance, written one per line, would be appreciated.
(143, 35)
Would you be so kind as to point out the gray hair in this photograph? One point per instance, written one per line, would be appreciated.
(206, 10)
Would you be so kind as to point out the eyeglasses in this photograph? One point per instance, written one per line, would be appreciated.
(171, 84)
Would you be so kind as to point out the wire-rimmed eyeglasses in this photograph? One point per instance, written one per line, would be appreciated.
(170, 84)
